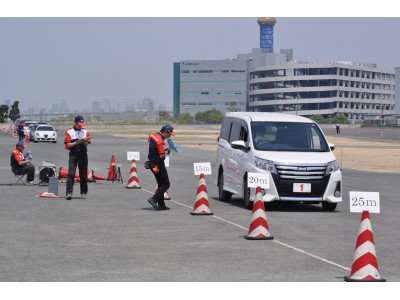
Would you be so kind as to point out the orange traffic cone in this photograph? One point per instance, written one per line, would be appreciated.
(133, 181)
(62, 173)
(166, 195)
(27, 139)
(97, 176)
(112, 171)
(47, 195)
(365, 264)
(202, 206)
(258, 229)
(90, 177)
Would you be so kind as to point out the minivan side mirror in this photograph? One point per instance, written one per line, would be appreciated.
(331, 146)
(241, 145)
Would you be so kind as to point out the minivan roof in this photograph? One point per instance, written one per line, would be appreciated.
(269, 116)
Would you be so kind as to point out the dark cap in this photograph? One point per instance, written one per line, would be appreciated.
(168, 128)
(80, 120)
(19, 144)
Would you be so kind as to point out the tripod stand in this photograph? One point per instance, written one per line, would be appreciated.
(119, 175)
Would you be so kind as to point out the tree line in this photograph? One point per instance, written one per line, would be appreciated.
(13, 115)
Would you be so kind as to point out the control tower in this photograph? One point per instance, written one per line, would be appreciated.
(267, 33)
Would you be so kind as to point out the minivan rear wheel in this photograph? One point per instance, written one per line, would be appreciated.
(246, 195)
(222, 195)
(328, 206)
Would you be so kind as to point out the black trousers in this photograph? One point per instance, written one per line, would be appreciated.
(21, 136)
(162, 183)
(79, 160)
(29, 170)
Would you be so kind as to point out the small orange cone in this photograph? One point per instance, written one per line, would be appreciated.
(97, 176)
(166, 195)
(112, 171)
(47, 195)
(201, 206)
(258, 229)
(365, 263)
(133, 181)
(62, 173)
(27, 139)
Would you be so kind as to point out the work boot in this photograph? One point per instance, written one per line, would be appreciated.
(69, 197)
(153, 202)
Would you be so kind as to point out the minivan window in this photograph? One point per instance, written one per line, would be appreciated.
(288, 136)
(239, 131)
(226, 129)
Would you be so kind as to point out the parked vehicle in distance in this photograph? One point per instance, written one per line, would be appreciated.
(32, 129)
(19, 121)
(44, 133)
(290, 150)
(26, 126)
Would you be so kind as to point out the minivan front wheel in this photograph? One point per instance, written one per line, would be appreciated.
(328, 206)
(222, 195)
(246, 195)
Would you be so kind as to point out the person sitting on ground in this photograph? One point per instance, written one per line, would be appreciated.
(20, 165)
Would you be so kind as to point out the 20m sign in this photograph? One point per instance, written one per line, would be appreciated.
(258, 179)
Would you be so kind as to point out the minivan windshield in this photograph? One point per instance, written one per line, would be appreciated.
(288, 136)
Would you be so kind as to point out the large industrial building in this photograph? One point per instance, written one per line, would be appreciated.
(266, 81)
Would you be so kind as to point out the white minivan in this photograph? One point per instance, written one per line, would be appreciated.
(292, 150)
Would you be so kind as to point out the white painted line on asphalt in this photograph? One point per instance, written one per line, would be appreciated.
(274, 240)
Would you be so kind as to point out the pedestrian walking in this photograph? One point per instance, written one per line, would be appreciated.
(20, 131)
(76, 141)
(157, 153)
(337, 128)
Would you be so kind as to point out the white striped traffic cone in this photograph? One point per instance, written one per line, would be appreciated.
(365, 264)
(258, 229)
(201, 206)
(133, 182)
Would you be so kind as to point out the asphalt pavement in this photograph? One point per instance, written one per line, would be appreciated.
(116, 236)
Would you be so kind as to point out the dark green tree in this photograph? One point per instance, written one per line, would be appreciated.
(185, 118)
(317, 118)
(213, 116)
(14, 112)
(3, 113)
(164, 116)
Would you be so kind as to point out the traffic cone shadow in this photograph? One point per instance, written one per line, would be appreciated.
(365, 263)
(201, 206)
(258, 229)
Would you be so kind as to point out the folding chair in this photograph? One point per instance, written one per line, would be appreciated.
(19, 178)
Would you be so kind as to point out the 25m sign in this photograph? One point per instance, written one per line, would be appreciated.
(360, 201)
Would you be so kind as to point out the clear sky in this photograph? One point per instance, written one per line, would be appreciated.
(80, 59)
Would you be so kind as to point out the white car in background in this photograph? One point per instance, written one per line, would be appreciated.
(44, 133)
(26, 126)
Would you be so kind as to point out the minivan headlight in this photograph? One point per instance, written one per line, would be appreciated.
(332, 166)
(264, 164)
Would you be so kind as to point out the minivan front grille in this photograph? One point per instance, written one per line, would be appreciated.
(290, 174)
(301, 172)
